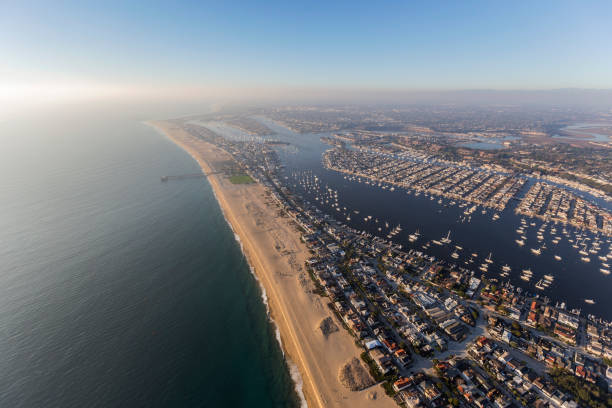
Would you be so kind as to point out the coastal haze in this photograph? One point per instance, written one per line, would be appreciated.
(306, 204)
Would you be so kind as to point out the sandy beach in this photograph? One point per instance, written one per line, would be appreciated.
(273, 249)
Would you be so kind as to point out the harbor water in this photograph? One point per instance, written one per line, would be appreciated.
(574, 283)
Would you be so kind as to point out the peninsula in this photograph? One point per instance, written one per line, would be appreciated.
(274, 250)
(429, 331)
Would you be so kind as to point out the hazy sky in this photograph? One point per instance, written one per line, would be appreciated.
(52, 47)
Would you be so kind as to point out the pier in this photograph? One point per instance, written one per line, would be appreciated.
(186, 176)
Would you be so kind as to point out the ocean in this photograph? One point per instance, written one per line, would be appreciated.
(117, 289)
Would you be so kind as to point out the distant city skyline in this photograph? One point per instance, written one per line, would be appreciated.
(53, 51)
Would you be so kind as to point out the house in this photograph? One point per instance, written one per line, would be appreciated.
(411, 399)
(429, 390)
(403, 383)
(382, 361)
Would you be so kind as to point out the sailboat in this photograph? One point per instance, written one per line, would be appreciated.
(446, 240)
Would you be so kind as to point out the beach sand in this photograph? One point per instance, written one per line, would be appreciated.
(273, 248)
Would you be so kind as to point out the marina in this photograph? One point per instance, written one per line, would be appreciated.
(502, 245)
(367, 205)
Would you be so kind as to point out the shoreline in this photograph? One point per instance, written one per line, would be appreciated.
(294, 311)
(294, 371)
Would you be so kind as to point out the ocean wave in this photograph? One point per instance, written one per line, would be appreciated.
(297, 380)
(294, 372)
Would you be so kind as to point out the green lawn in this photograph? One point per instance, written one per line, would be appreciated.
(241, 179)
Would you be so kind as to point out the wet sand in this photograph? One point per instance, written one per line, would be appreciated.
(273, 249)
